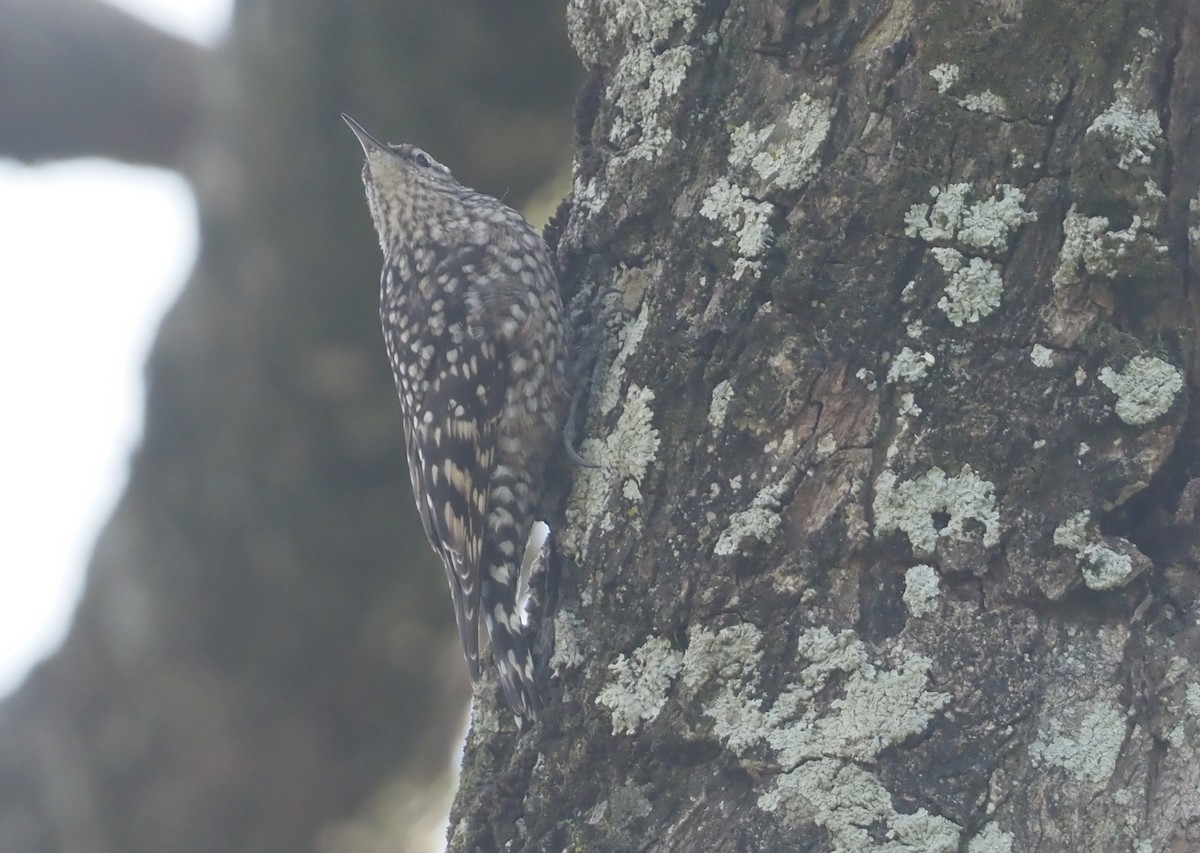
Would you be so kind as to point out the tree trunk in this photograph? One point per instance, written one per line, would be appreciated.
(892, 544)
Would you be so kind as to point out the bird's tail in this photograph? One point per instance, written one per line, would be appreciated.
(508, 526)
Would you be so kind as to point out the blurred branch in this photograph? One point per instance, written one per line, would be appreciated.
(82, 78)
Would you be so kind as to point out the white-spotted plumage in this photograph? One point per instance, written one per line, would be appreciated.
(472, 321)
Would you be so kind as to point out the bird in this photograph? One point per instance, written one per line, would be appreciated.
(473, 327)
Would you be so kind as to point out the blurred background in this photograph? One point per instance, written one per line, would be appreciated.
(210, 560)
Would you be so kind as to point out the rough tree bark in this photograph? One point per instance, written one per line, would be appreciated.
(892, 545)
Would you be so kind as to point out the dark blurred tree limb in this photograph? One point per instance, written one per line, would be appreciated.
(82, 78)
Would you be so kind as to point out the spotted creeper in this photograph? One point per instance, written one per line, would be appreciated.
(472, 320)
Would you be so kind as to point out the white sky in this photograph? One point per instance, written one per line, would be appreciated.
(77, 317)
(199, 20)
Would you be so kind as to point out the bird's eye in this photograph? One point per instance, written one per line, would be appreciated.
(422, 159)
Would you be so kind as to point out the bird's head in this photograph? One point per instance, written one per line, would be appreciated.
(403, 183)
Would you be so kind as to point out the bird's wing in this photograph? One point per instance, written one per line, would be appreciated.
(452, 448)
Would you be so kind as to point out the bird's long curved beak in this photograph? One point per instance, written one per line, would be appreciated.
(366, 140)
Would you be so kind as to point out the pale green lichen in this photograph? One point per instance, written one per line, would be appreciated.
(989, 224)
(1103, 568)
(829, 653)
(922, 831)
(646, 79)
(992, 839)
(1086, 748)
(910, 507)
(631, 337)
(1072, 533)
(745, 142)
(878, 707)
(1090, 248)
(640, 684)
(643, 80)
(1082, 245)
(622, 459)
(568, 651)
(1135, 133)
(975, 283)
(921, 590)
(847, 801)
(1145, 389)
(939, 221)
(1131, 814)
(1189, 713)
(909, 366)
(986, 102)
(907, 406)
(654, 22)
(1194, 230)
(746, 218)
(1151, 192)
(719, 405)
(986, 224)
(754, 523)
(784, 157)
(761, 521)
(633, 444)
(731, 654)
(974, 289)
(484, 712)
(590, 196)
(1041, 356)
(776, 156)
(590, 24)
(944, 75)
